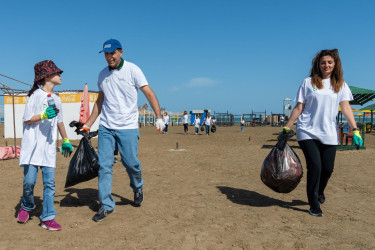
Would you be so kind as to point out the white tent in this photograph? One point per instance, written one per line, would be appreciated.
(71, 103)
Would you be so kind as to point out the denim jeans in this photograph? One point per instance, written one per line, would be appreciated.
(127, 141)
(197, 130)
(242, 127)
(207, 129)
(30, 173)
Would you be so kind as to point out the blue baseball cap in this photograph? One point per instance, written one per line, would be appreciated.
(111, 45)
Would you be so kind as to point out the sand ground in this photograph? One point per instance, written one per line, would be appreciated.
(208, 196)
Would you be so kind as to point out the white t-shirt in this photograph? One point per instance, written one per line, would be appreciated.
(166, 119)
(120, 88)
(197, 121)
(282, 119)
(208, 121)
(38, 146)
(185, 119)
(318, 119)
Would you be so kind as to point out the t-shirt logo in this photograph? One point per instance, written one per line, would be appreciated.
(106, 80)
(315, 89)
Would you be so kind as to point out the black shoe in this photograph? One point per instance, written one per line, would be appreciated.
(138, 198)
(101, 214)
(316, 212)
(321, 198)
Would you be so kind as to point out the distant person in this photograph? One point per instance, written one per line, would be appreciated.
(118, 85)
(166, 122)
(318, 99)
(207, 123)
(213, 125)
(38, 147)
(185, 121)
(242, 124)
(197, 122)
(282, 120)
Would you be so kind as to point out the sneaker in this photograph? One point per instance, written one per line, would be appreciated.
(138, 198)
(22, 216)
(101, 214)
(115, 160)
(51, 225)
(316, 212)
(321, 198)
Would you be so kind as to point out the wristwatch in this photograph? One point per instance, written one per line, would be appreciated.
(355, 129)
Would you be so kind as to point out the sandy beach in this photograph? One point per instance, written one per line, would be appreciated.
(207, 196)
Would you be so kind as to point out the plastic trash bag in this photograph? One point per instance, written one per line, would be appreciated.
(213, 128)
(84, 163)
(282, 169)
(202, 128)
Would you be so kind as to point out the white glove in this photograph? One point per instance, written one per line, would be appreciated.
(160, 125)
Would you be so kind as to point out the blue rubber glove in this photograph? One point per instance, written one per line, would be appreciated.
(49, 113)
(66, 148)
(357, 138)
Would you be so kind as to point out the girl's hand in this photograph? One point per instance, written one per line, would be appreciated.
(66, 148)
(49, 113)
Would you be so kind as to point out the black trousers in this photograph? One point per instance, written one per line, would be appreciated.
(185, 127)
(320, 160)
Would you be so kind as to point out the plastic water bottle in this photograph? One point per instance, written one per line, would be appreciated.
(51, 101)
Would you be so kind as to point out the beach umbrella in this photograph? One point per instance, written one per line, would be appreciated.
(84, 112)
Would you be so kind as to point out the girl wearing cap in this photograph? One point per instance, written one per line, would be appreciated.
(38, 146)
(318, 100)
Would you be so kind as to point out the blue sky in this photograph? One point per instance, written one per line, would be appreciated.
(236, 56)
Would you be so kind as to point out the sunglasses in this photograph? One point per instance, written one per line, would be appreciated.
(331, 51)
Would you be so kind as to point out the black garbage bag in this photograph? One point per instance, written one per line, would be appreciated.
(282, 169)
(213, 128)
(202, 127)
(84, 164)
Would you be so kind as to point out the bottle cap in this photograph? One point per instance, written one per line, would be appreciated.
(49, 95)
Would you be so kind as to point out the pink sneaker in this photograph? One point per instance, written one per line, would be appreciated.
(22, 216)
(51, 225)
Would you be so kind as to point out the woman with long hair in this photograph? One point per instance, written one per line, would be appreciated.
(318, 99)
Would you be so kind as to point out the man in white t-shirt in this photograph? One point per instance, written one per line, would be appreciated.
(118, 85)
(282, 120)
(166, 122)
(185, 119)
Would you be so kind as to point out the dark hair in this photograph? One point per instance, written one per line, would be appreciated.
(33, 88)
(337, 79)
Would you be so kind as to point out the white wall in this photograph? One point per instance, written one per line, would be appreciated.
(70, 113)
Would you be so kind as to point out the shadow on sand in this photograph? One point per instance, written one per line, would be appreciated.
(87, 197)
(254, 199)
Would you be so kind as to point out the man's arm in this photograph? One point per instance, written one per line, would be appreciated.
(96, 110)
(151, 97)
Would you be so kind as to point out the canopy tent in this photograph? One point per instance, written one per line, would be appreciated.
(361, 96)
(370, 109)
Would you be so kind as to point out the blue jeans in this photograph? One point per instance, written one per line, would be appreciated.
(207, 129)
(30, 174)
(242, 127)
(127, 141)
(197, 130)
